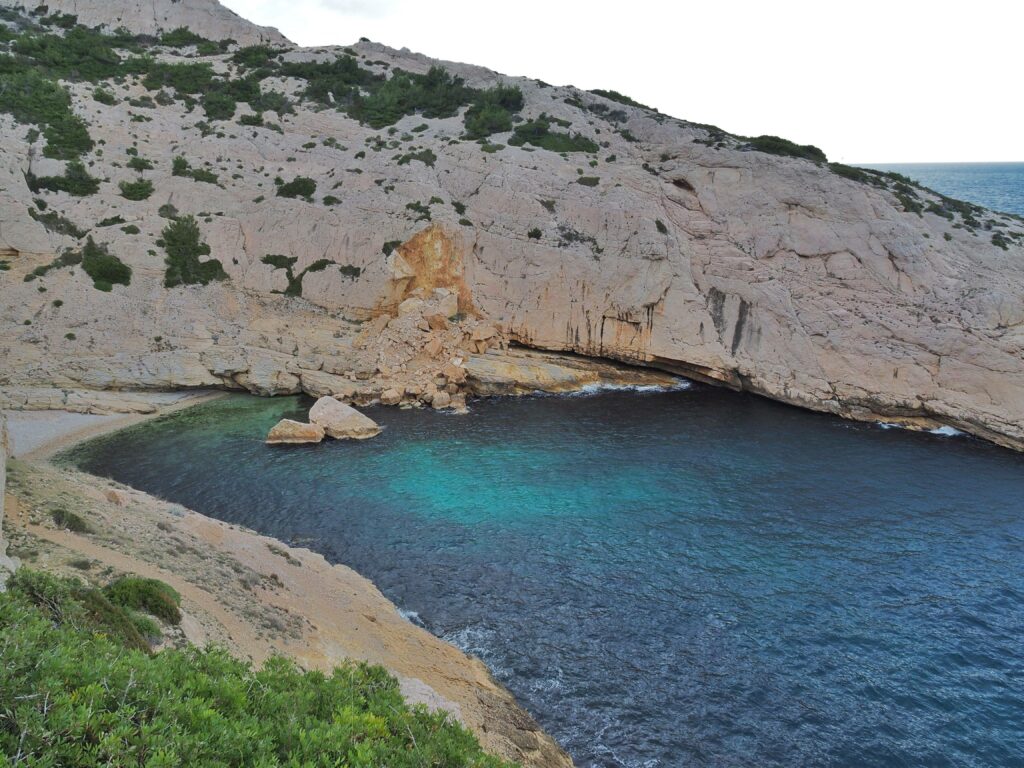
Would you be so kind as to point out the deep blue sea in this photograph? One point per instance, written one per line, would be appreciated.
(695, 578)
(999, 186)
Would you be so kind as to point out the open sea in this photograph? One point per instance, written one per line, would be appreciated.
(693, 578)
(999, 186)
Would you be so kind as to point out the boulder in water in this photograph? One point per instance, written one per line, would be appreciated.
(288, 432)
(342, 421)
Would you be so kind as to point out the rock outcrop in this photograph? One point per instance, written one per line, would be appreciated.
(659, 243)
(207, 18)
(342, 421)
(289, 432)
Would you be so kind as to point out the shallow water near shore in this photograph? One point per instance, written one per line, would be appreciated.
(662, 579)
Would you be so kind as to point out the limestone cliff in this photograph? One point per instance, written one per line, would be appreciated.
(368, 231)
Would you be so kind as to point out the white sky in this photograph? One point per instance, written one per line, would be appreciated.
(867, 81)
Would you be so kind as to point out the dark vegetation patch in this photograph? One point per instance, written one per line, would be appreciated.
(54, 222)
(136, 190)
(621, 99)
(180, 167)
(301, 187)
(182, 241)
(538, 133)
(287, 263)
(105, 269)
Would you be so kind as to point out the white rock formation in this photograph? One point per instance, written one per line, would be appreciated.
(342, 421)
(691, 253)
(207, 18)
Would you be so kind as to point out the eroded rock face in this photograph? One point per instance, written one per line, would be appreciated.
(342, 421)
(765, 273)
(207, 18)
(290, 432)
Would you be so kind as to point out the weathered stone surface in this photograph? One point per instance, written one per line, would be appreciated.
(207, 18)
(287, 431)
(342, 421)
(390, 396)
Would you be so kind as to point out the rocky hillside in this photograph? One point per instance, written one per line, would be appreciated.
(189, 200)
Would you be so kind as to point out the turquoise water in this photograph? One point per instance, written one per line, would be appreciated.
(999, 186)
(693, 578)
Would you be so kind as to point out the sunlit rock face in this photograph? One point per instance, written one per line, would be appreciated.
(669, 245)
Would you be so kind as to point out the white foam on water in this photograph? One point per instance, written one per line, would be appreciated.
(588, 390)
(944, 431)
(411, 616)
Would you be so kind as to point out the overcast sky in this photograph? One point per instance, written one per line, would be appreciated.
(867, 81)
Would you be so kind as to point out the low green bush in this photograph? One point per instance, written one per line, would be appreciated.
(775, 145)
(538, 133)
(425, 156)
(300, 186)
(69, 521)
(136, 190)
(105, 269)
(149, 595)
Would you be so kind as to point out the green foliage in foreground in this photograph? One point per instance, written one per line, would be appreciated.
(78, 690)
(182, 241)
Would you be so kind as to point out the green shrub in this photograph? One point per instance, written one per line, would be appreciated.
(190, 78)
(350, 271)
(104, 97)
(460, 208)
(80, 688)
(255, 55)
(422, 212)
(140, 164)
(68, 603)
(136, 190)
(105, 269)
(181, 239)
(54, 222)
(661, 226)
(181, 37)
(538, 133)
(149, 595)
(621, 99)
(774, 145)
(75, 181)
(131, 229)
(69, 521)
(389, 246)
(331, 200)
(287, 263)
(254, 121)
(180, 167)
(534, 234)
(588, 181)
(425, 156)
(492, 112)
(300, 186)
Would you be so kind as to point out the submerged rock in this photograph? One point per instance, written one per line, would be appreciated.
(342, 421)
(289, 432)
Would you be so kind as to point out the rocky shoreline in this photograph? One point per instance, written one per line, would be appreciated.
(253, 594)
